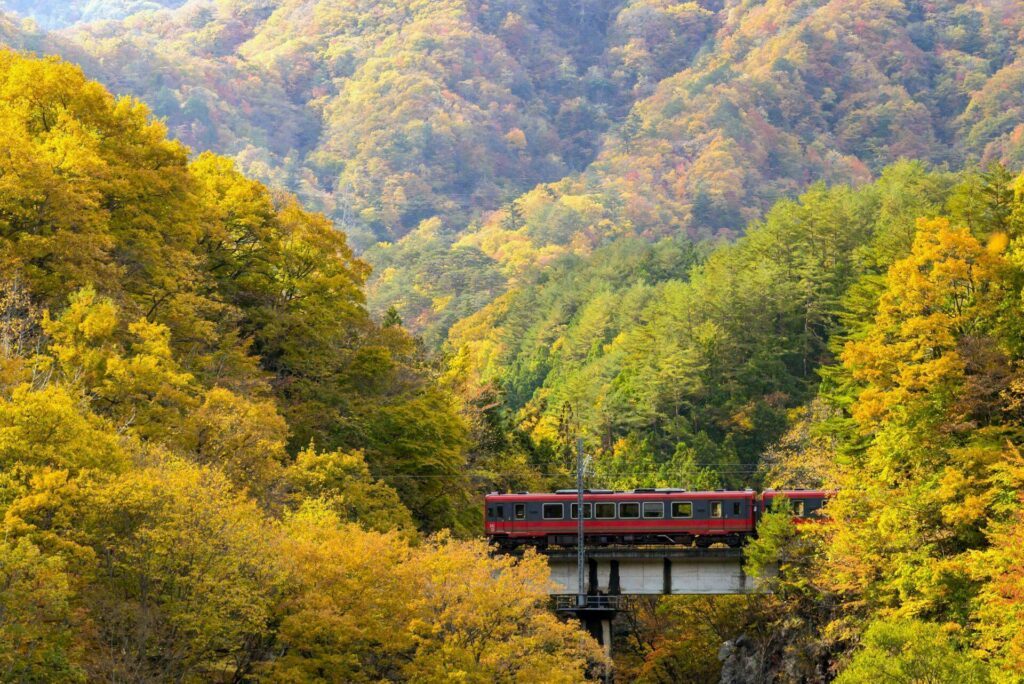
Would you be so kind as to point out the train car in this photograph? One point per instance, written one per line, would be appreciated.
(806, 504)
(641, 516)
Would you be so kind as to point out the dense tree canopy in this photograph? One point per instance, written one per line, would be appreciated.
(865, 339)
(684, 360)
(201, 428)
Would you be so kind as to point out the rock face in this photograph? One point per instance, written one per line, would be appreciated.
(745, 661)
(742, 662)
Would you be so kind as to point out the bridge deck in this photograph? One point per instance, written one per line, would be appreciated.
(673, 553)
(652, 570)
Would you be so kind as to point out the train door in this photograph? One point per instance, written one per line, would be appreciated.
(498, 514)
(735, 514)
(716, 515)
(517, 518)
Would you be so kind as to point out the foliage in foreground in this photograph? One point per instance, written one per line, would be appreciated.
(915, 575)
(213, 463)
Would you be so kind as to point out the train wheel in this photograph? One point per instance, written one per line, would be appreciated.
(704, 542)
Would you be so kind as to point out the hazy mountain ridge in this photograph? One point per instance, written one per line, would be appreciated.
(55, 14)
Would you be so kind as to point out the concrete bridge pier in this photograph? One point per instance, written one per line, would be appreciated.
(596, 616)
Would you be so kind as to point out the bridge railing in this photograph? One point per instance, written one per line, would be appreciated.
(593, 602)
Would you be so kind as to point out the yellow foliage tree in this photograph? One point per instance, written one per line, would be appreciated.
(483, 618)
(342, 481)
(363, 606)
(915, 497)
(141, 387)
(185, 571)
(343, 613)
(941, 293)
(242, 437)
(47, 428)
(36, 639)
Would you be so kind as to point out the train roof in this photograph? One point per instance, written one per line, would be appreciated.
(571, 494)
(798, 492)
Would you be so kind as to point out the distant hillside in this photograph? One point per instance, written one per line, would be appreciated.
(381, 114)
(501, 135)
(790, 92)
(783, 94)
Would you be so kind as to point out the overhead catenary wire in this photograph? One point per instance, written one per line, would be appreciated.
(727, 471)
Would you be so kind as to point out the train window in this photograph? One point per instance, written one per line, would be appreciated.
(520, 511)
(604, 511)
(654, 509)
(629, 510)
(716, 509)
(500, 514)
(574, 511)
(735, 507)
(490, 512)
(682, 509)
(552, 511)
(798, 508)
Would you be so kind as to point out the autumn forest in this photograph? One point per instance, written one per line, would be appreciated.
(286, 286)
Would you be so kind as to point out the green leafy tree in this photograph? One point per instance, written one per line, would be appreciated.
(911, 651)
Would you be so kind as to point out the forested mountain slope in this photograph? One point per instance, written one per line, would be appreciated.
(791, 92)
(95, 197)
(678, 362)
(388, 114)
(783, 93)
(918, 425)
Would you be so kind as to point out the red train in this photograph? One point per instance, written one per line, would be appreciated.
(641, 516)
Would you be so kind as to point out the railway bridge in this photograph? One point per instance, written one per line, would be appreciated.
(613, 575)
(652, 570)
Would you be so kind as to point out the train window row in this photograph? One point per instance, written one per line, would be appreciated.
(627, 510)
(606, 510)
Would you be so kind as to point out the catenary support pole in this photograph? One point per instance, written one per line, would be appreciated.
(581, 595)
